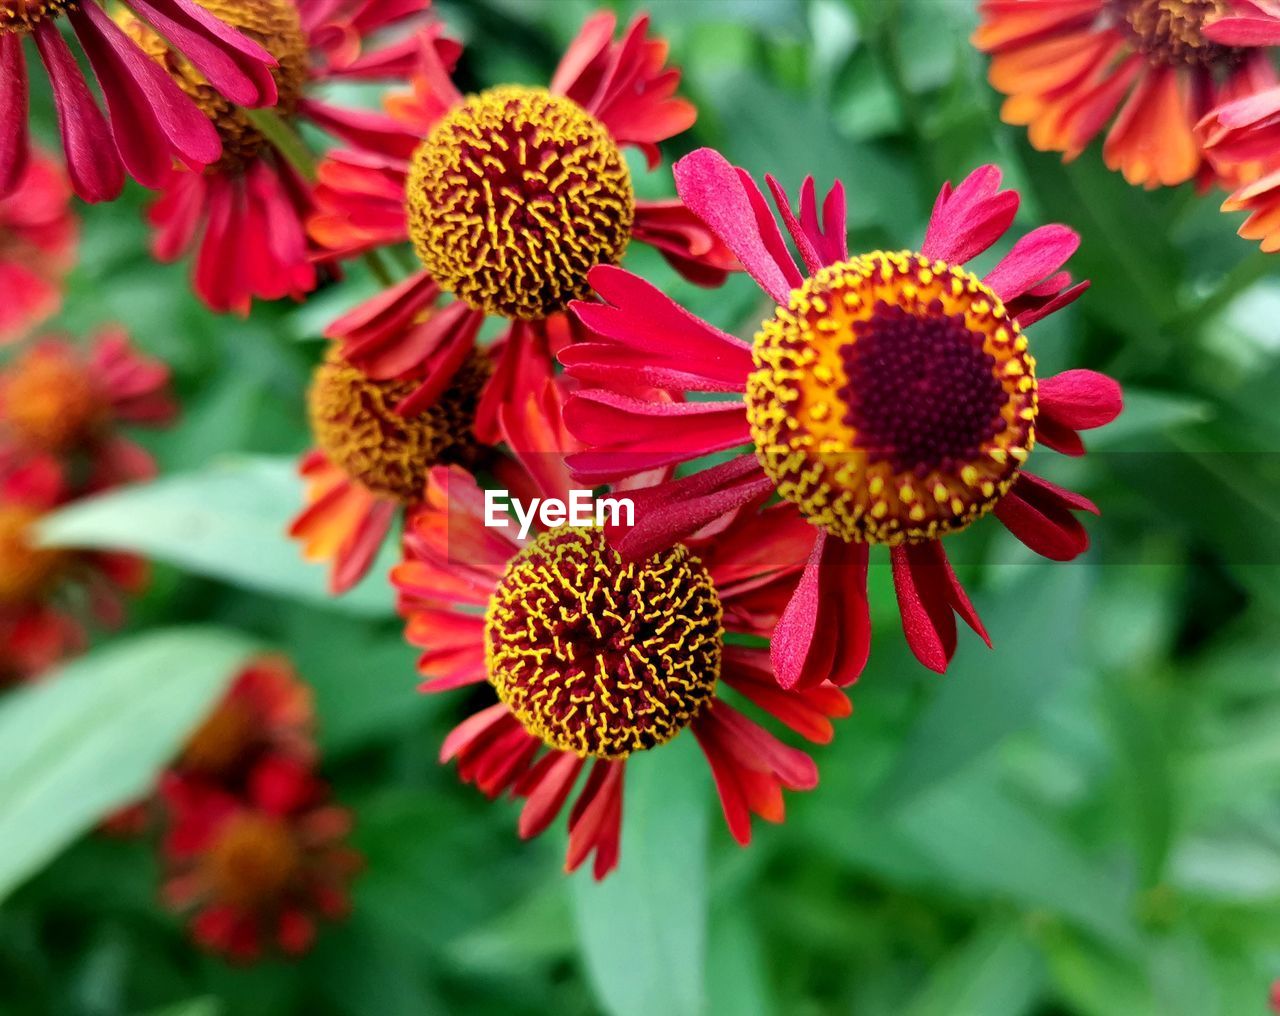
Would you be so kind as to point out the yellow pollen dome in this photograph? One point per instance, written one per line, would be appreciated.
(26, 571)
(355, 423)
(253, 861)
(273, 24)
(51, 401)
(599, 656)
(1169, 32)
(514, 197)
(24, 15)
(893, 400)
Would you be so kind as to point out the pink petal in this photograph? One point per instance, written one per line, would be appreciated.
(1039, 514)
(968, 220)
(1039, 254)
(15, 143)
(1080, 399)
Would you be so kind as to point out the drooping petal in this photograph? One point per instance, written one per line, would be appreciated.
(1039, 513)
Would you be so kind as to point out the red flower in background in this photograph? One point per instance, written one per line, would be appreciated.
(891, 397)
(38, 236)
(49, 595)
(68, 403)
(509, 198)
(256, 871)
(149, 121)
(1068, 66)
(244, 214)
(593, 657)
(373, 457)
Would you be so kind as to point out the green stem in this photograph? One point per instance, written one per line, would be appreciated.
(379, 268)
(285, 140)
(1235, 282)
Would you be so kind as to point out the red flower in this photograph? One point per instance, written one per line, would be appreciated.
(1069, 65)
(509, 197)
(65, 402)
(257, 872)
(593, 657)
(245, 213)
(38, 235)
(149, 122)
(375, 454)
(891, 397)
(48, 594)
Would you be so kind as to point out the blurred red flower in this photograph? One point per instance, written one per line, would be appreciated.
(38, 236)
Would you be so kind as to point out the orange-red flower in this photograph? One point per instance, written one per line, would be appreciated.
(49, 595)
(1149, 68)
(373, 455)
(150, 122)
(38, 235)
(257, 871)
(244, 214)
(593, 658)
(68, 403)
(509, 197)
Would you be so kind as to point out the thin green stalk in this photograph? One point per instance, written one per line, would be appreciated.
(285, 140)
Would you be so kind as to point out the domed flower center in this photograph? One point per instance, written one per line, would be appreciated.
(221, 741)
(51, 401)
(893, 398)
(26, 571)
(355, 423)
(273, 24)
(1169, 32)
(599, 656)
(24, 15)
(253, 861)
(514, 196)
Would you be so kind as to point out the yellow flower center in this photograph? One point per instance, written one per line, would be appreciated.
(600, 656)
(50, 401)
(273, 24)
(253, 862)
(1169, 32)
(514, 196)
(26, 571)
(24, 15)
(355, 423)
(893, 398)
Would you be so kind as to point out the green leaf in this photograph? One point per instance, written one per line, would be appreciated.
(644, 928)
(95, 735)
(228, 522)
(987, 695)
(997, 972)
(203, 1006)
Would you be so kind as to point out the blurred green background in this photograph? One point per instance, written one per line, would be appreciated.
(1084, 821)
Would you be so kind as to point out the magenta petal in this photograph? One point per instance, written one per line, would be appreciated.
(151, 118)
(927, 618)
(639, 316)
(831, 237)
(1038, 311)
(677, 509)
(716, 192)
(629, 436)
(15, 142)
(1250, 25)
(236, 66)
(93, 164)
(803, 241)
(356, 557)
(825, 632)
(968, 220)
(1039, 513)
(1080, 399)
(1038, 254)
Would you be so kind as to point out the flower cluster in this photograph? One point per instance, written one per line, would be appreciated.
(253, 849)
(62, 406)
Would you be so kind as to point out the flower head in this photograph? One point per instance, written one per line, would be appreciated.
(38, 235)
(256, 872)
(593, 657)
(509, 198)
(373, 458)
(1068, 66)
(150, 122)
(59, 400)
(891, 398)
(244, 214)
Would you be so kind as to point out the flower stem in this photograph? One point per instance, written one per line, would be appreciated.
(285, 140)
(378, 268)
